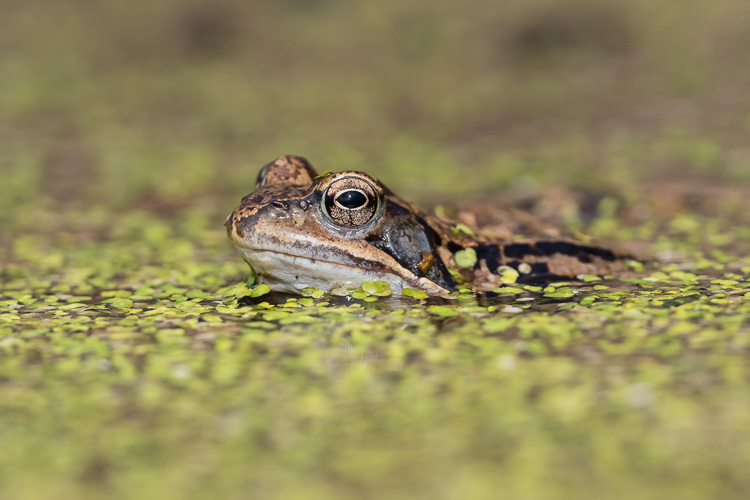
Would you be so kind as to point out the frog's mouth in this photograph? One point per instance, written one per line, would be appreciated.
(286, 272)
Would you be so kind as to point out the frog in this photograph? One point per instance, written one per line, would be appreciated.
(299, 229)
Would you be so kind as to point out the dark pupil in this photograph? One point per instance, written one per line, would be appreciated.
(351, 199)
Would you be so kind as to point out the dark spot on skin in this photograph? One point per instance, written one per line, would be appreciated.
(303, 205)
(517, 250)
(233, 223)
(490, 254)
(395, 210)
(583, 253)
(539, 271)
(244, 225)
(279, 205)
(455, 247)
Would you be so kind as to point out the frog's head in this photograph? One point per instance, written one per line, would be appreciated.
(298, 229)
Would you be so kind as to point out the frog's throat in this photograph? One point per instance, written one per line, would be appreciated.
(286, 272)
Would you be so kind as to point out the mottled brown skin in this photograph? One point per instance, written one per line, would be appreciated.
(299, 229)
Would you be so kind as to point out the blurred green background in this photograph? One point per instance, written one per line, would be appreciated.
(129, 368)
(110, 105)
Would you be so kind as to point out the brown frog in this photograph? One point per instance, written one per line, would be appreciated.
(299, 229)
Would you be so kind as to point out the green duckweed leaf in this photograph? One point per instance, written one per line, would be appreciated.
(442, 311)
(260, 290)
(508, 275)
(466, 257)
(323, 175)
(122, 303)
(313, 292)
(415, 294)
(379, 288)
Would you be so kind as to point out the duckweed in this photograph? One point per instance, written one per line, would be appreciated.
(466, 257)
(416, 294)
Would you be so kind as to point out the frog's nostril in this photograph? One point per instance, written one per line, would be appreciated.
(279, 205)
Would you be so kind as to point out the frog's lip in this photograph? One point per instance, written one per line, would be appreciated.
(282, 275)
(323, 261)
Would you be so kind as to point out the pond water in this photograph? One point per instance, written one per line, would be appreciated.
(155, 352)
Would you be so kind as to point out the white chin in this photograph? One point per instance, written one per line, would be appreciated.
(287, 273)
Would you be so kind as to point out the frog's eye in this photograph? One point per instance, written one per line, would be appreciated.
(350, 201)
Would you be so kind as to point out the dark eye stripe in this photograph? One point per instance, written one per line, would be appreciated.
(351, 199)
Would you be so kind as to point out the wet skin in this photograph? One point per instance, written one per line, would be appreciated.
(298, 229)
